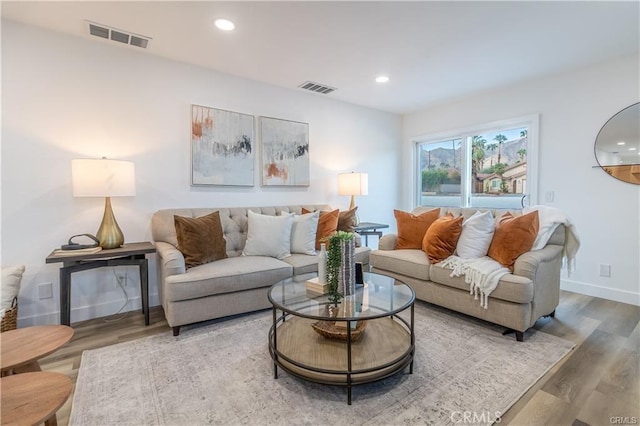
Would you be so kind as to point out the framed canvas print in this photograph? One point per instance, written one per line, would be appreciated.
(285, 152)
(221, 147)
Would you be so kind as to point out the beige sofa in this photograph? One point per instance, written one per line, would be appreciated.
(229, 286)
(530, 292)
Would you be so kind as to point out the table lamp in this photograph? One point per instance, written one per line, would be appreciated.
(104, 178)
(353, 184)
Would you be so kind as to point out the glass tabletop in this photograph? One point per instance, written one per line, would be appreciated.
(380, 296)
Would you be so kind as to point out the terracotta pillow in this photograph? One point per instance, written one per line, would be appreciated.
(411, 228)
(347, 220)
(514, 236)
(441, 238)
(327, 226)
(200, 240)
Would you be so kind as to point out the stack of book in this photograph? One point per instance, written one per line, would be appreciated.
(314, 286)
(77, 252)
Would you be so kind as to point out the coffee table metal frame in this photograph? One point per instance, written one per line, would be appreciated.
(301, 308)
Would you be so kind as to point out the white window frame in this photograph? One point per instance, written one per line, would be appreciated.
(530, 121)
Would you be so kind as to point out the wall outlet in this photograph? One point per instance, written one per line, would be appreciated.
(122, 279)
(605, 271)
(45, 291)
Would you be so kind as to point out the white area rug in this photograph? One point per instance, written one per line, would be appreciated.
(222, 373)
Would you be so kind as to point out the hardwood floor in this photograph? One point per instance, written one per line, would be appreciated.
(598, 383)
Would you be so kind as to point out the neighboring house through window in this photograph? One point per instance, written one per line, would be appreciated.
(492, 165)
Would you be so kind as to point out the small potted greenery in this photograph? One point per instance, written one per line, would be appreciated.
(334, 261)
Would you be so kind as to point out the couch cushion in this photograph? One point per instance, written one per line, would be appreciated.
(514, 235)
(269, 235)
(476, 236)
(411, 228)
(303, 233)
(304, 264)
(441, 238)
(200, 240)
(512, 288)
(411, 262)
(226, 276)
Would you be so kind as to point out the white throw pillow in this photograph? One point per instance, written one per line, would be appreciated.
(268, 235)
(476, 236)
(303, 233)
(11, 277)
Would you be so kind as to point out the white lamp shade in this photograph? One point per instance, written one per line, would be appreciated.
(103, 178)
(353, 183)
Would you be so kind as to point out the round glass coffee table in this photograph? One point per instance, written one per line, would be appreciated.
(357, 352)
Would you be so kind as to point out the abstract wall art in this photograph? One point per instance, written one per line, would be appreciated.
(285, 152)
(222, 147)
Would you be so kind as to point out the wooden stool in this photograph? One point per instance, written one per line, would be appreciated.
(33, 398)
(20, 349)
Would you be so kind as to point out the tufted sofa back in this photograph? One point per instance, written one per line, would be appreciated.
(234, 222)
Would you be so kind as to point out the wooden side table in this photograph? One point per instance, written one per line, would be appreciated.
(128, 254)
(31, 398)
(21, 349)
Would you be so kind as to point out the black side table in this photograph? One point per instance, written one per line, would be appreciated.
(128, 254)
(369, 228)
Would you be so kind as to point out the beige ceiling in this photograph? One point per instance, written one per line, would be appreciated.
(432, 51)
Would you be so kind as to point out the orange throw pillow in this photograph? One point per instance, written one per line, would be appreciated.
(514, 236)
(441, 238)
(327, 226)
(411, 228)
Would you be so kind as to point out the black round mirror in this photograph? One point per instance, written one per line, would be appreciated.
(617, 146)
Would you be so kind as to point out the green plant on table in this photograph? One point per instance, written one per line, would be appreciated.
(334, 260)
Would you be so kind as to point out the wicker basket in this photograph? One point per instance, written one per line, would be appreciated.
(329, 330)
(10, 318)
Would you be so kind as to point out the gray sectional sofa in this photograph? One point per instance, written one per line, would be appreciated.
(230, 286)
(530, 292)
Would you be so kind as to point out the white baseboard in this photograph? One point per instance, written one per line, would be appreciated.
(602, 292)
(83, 313)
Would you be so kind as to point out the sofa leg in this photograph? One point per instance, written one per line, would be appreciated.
(176, 330)
(519, 334)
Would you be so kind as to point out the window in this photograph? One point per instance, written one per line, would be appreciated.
(492, 165)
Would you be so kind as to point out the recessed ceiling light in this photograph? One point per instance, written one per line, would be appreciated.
(621, 143)
(382, 79)
(632, 148)
(224, 24)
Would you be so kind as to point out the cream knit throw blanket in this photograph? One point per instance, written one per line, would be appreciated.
(481, 274)
(550, 218)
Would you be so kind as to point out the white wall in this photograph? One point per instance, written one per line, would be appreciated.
(572, 107)
(68, 97)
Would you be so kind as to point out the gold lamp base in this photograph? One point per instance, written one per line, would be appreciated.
(109, 234)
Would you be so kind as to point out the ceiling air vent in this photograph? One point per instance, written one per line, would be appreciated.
(317, 87)
(120, 36)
